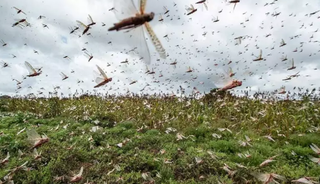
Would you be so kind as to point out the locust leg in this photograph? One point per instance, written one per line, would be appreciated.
(234, 6)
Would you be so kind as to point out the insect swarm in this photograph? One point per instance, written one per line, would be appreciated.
(204, 110)
(135, 20)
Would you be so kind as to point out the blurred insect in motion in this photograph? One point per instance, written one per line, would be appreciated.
(89, 56)
(315, 148)
(72, 30)
(4, 64)
(77, 177)
(288, 78)
(136, 20)
(21, 23)
(295, 75)
(284, 58)
(133, 82)
(5, 160)
(315, 160)
(112, 9)
(35, 139)
(259, 58)
(19, 10)
(215, 19)
(239, 38)
(3, 43)
(292, 67)
(125, 61)
(306, 180)
(189, 70)
(161, 75)
(86, 27)
(102, 81)
(191, 9)
(67, 57)
(204, 2)
(174, 63)
(231, 73)
(36, 155)
(91, 21)
(160, 18)
(64, 76)
(45, 26)
(18, 82)
(269, 177)
(165, 10)
(145, 87)
(32, 72)
(282, 43)
(230, 83)
(235, 3)
(41, 17)
(282, 90)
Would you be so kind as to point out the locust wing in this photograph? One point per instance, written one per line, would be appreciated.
(142, 6)
(90, 19)
(102, 72)
(230, 71)
(234, 6)
(156, 42)
(33, 136)
(205, 5)
(292, 63)
(143, 49)
(30, 68)
(19, 10)
(224, 78)
(261, 177)
(125, 9)
(99, 80)
(81, 24)
(81, 171)
(260, 56)
(138, 41)
(190, 8)
(35, 152)
(63, 75)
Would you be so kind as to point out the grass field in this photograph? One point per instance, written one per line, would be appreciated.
(160, 140)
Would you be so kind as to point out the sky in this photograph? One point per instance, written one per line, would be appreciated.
(197, 41)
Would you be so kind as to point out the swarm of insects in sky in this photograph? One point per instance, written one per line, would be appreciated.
(193, 43)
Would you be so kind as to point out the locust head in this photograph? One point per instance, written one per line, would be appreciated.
(150, 17)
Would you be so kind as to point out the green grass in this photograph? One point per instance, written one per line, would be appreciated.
(146, 126)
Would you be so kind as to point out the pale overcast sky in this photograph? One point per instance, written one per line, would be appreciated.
(195, 40)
